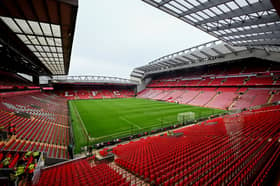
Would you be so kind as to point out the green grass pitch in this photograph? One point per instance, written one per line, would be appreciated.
(106, 119)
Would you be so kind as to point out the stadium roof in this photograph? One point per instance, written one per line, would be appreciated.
(40, 31)
(92, 80)
(238, 22)
(205, 54)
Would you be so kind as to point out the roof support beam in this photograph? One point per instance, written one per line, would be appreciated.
(217, 51)
(249, 22)
(203, 6)
(268, 28)
(182, 61)
(163, 63)
(261, 43)
(163, 2)
(249, 9)
(230, 49)
(189, 59)
(174, 61)
(257, 37)
(206, 54)
(196, 56)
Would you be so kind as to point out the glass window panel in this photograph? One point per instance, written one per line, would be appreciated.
(216, 10)
(224, 8)
(49, 54)
(172, 8)
(209, 13)
(59, 49)
(39, 48)
(31, 47)
(46, 29)
(56, 30)
(196, 16)
(58, 42)
(253, 1)
(50, 41)
(35, 27)
(176, 4)
(192, 19)
(232, 5)
(46, 48)
(242, 3)
(37, 54)
(33, 40)
(184, 3)
(53, 49)
(11, 24)
(42, 40)
(43, 54)
(203, 15)
(194, 2)
(24, 26)
(24, 39)
(55, 55)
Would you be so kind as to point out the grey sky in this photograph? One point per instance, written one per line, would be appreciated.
(114, 36)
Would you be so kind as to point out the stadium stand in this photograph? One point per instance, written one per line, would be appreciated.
(40, 123)
(95, 93)
(230, 89)
(239, 73)
(211, 156)
(81, 172)
(9, 81)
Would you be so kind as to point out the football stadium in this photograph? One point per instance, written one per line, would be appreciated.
(205, 115)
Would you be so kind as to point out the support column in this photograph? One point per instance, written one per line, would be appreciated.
(36, 80)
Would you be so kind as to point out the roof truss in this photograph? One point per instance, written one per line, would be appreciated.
(224, 18)
(46, 28)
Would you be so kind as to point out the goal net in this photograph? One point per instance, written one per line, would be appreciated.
(186, 117)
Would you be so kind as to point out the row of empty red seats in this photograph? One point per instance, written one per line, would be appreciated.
(95, 93)
(40, 123)
(80, 172)
(224, 98)
(52, 151)
(217, 81)
(225, 72)
(39, 105)
(35, 135)
(235, 150)
(252, 97)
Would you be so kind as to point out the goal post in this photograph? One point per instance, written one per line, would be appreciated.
(186, 117)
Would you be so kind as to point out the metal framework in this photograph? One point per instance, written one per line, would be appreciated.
(45, 27)
(207, 53)
(92, 79)
(238, 22)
